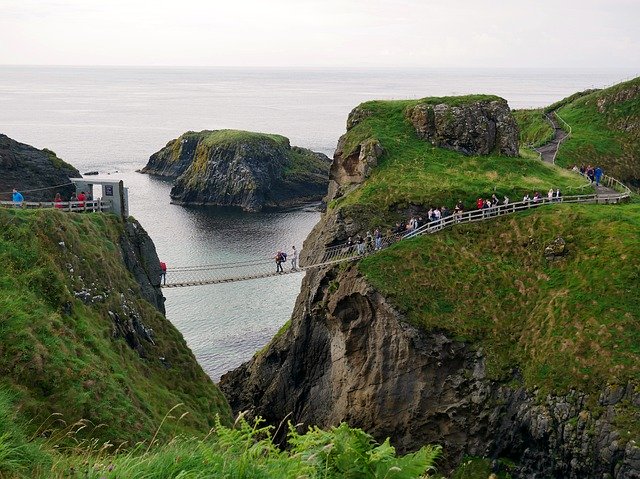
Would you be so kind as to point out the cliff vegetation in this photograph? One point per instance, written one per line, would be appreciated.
(411, 172)
(240, 168)
(78, 341)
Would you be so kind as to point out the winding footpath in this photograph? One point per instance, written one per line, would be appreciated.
(549, 151)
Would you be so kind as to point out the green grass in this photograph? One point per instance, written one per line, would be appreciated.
(535, 129)
(225, 137)
(413, 172)
(243, 451)
(609, 138)
(59, 355)
(566, 324)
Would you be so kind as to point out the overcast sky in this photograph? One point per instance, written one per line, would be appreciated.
(420, 33)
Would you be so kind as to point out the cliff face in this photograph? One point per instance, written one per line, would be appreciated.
(350, 356)
(455, 353)
(83, 331)
(235, 168)
(26, 168)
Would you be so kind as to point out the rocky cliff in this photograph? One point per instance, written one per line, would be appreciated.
(26, 168)
(472, 128)
(237, 168)
(454, 339)
(83, 331)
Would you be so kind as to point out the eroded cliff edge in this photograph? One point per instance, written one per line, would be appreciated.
(240, 168)
(436, 368)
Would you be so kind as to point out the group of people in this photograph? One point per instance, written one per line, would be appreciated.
(281, 257)
(80, 199)
(593, 173)
(436, 214)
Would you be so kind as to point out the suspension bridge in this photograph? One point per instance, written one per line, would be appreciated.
(610, 192)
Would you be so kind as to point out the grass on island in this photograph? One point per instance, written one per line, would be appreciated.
(413, 172)
(59, 355)
(609, 138)
(571, 323)
(535, 129)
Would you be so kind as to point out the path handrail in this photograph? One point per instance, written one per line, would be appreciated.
(568, 135)
(86, 205)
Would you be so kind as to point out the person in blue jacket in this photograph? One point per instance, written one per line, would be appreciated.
(598, 175)
(17, 198)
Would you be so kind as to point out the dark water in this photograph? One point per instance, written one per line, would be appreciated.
(113, 118)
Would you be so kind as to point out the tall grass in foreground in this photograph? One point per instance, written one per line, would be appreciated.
(244, 450)
(247, 451)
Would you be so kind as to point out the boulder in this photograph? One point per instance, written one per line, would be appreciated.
(556, 249)
(473, 128)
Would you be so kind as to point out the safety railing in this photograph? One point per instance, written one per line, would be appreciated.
(89, 206)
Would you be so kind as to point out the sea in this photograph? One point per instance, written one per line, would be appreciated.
(111, 119)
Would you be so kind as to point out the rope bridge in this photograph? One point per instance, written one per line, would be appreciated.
(614, 192)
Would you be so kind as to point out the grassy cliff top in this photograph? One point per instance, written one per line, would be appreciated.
(568, 323)
(231, 137)
(59, 354)
(605, 131)
(413, 172)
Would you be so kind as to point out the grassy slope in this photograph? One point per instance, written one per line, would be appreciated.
(246, 450)
(572, 323)
(412, 172)
(535, 130)
(610, 139)
(301, 165)
(58, 354)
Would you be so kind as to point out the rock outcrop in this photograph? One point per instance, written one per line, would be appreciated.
(349, 356)
(26, 168)
(471, 128)
(141, 259)
(236, 168)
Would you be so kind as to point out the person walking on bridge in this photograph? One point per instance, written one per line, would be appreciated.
(163, 272)
(294, 259)
(279, 260)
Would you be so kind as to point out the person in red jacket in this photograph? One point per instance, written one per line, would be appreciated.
(58, 201)
(480, 203)
(163, 274)
(82, 198)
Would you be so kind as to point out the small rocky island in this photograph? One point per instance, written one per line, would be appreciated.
(240, 168)
(29, 169)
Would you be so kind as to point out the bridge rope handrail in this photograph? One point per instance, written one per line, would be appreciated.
(344, 252)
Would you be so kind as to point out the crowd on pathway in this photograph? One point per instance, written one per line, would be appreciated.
(371, 242)
(80, 200)
(593, 173)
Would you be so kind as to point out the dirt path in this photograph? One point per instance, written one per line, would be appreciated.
(548, 151)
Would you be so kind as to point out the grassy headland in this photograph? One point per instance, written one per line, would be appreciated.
(605, 131)
(412, 172)
(61, 354)
(571, 323)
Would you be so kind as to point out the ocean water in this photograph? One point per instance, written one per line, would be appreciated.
(112, 119)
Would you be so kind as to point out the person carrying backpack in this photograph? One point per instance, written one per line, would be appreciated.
(280, 258)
